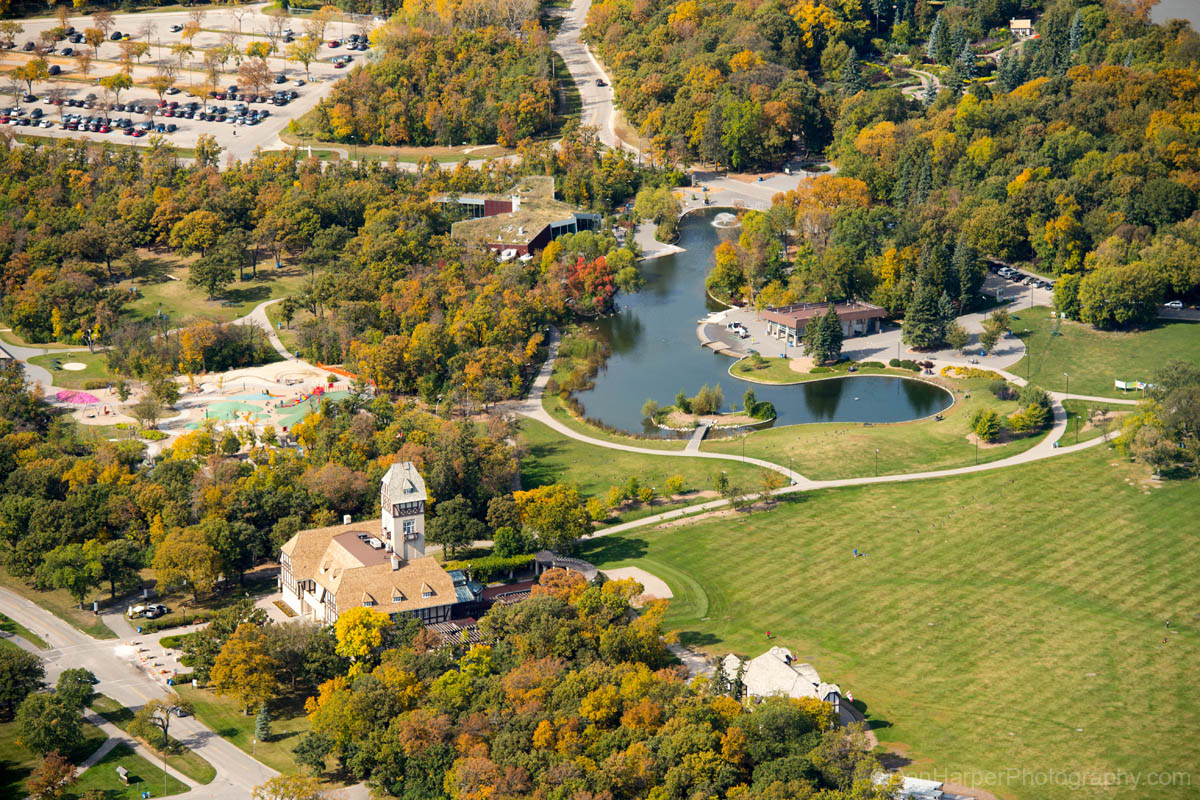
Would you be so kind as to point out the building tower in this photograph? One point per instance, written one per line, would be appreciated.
(402, 505)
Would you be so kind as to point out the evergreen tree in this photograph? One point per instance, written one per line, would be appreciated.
(832, 338)
(924, 181)
(923, 326)
(712, 147)
(262, 724)
(930, 95)
(964, 67)
(969, 270)
(946, 310)
(852, 77)
(1075, 33)
(937, 39)
(953, 46)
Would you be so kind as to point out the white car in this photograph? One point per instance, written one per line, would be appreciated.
(1174, 304)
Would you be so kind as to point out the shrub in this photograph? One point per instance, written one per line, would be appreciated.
(490, 568)
(97, 384)
(151, 435)
(1001, 389)
(985, 423)
(906, 363)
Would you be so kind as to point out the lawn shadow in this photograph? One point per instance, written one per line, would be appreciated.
(607, 549)
(154, 269)
(893, 761)
(698, 639)
(249, 294)
(535, 471)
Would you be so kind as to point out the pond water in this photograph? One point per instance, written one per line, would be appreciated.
(655, 353)
(1177, 9)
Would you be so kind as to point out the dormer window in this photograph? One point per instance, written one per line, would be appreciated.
(426, 591)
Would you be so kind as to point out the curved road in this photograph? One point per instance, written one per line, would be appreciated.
(597, 99)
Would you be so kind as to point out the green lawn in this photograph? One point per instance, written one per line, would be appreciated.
(1078, 427)
(96, 368)
(222, 715)
(557, 458)
(184, 760)
(288, 334)
(16, 763)
(1094, 359)
(778, 370)
(14, 628)
(143, 777)
(999, 620)
(164, 286)
(63, 606)
(829, 451)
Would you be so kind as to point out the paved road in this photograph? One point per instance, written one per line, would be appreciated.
(586, 71)
(122, 676)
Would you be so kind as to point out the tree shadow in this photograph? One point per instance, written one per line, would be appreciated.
(153, 270)
(535, 468)
(607, 549)
(893, 761)
(248, 294)
(698, 639)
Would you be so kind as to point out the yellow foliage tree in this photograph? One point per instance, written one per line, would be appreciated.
(245, 668)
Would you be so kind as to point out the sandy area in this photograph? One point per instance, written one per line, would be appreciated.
(655, 588)
(802, 364)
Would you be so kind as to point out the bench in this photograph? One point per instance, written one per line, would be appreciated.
(123, 774)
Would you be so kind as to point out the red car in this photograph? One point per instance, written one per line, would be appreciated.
(339, 64)
(138, 133)
(334, 43)
(105, 129)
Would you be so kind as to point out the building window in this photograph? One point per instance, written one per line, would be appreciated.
(368, 603)
(410, 527)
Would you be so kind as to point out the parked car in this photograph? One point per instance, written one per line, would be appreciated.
(172, 90)
(1177, 305)
(68, 51)
(175, 28)
(334, 43)
(281, 79)
(55, 69)
(115, 36)
(28, 47)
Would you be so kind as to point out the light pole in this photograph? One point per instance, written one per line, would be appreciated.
(1068, 392)
(743, 447)
(977, 449)
(1028, 357)
(876, 462)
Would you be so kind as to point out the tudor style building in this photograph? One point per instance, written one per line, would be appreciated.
(378, 564)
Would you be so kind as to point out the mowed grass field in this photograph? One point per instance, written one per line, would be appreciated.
(829, 451)
(554, 458)
(1003, 620)
(1094, 359)
(225, 718)
(164, 286)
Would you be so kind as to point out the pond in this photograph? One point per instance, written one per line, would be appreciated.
(655, 353)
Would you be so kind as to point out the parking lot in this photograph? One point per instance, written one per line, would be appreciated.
(240, 119)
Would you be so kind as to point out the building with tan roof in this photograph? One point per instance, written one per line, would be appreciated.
(776, 672)
(857, 318)
(520, 222)
(378, 564)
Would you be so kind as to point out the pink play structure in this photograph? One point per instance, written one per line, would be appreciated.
(76, 398)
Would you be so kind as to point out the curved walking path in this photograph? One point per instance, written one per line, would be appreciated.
(926, 79)
(258, 316)
(531, 407)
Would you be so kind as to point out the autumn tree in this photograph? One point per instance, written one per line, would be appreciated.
(185, 557)
(52, 778)
(155, 716)
(557, 515)
(453, 526)
(48, 723)
(361, 633)
(245, 669)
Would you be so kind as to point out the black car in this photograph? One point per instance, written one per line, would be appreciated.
(68, 51)
(172, 127)
(55, 69)
(281, 79)
(28, 48)
(115, 36)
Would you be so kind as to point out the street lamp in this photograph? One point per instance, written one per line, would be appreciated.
(977, 449)
(1028, 357)
(1068, 392)
(876, 462)
(743, 447)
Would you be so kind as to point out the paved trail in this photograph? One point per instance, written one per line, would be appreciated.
(531, 407)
